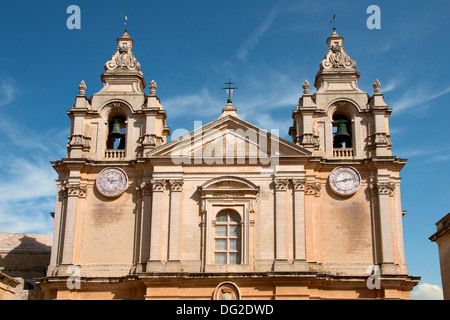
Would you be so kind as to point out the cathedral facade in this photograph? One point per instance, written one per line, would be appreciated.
(229, 211)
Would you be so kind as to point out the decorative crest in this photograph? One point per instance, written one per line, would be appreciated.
(336, 57)
(123, 58)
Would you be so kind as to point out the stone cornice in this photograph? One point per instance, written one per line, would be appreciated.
(443, 228)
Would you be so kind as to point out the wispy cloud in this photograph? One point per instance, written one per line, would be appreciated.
(27, 194)
(414, 98)
(257, 34)
(8, 91)
(201, 103)
(268, 109)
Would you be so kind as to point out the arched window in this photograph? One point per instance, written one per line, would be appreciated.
(227, 238)
(342, 132)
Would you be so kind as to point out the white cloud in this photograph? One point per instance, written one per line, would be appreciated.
(28, 216)
(416, 97)
(27, 195)
(427, 291)
(257, 34)
(196, 104)
(7, 91)
(24, 179)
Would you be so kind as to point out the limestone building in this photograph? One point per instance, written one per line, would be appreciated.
(229, 211)
(442, 238)
(23, 257)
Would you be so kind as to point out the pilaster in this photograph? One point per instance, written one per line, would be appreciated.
(280, 221)
(176, 189)
(383, 189)
(155, 233)
(299, 220)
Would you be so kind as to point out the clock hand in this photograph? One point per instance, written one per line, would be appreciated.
(345, 180)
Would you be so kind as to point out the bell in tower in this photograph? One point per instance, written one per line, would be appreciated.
(116, 133)
(342, 139)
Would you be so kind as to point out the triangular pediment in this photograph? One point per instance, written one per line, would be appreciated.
(229, 137)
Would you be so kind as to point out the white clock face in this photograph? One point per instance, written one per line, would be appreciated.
(345, 180)
(112, 182)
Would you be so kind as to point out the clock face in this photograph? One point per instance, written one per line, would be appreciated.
(345, 180)
(112, 182)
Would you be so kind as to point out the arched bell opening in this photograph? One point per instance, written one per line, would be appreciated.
(117, 133)
(342, 132)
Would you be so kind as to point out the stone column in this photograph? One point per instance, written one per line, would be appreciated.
(176, 188)
(280, 220)
(383, 190)
(72, 192)
(155, 233)
(299, 221)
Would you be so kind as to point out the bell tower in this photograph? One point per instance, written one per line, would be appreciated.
(340, 121)
(347, 132)
(112, 130)
(120, 122)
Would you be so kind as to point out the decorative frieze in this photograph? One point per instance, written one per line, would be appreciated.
(309, 140)
(79, 141)
(380, 139)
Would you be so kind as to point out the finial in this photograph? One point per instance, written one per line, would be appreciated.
(306, 87)
(229, 90)
(334, 34)
(376, 86)
(82, 88)
(152, 87)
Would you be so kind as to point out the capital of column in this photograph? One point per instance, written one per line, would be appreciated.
(313, 188)
(383, 188)
(299, 184)
(280, 184)
(158, 185)
(73, 190)
(176, 185)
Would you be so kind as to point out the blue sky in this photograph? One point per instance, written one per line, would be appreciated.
(190, 48)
